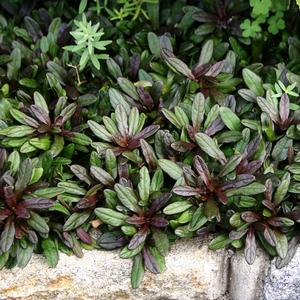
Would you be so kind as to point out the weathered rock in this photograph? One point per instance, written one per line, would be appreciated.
(193, 272)
(284, 284)
(246, 281)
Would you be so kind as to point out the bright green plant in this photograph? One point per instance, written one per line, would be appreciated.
(88, 41)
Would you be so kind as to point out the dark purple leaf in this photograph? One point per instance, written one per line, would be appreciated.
(38, 203)
(270, 236)
(3, 157)
(148, 154)
(222, 196)
(252, 146)
(182, 146)
(215, 127)
(150, 261)
(10, 197)
(284, 108)
(159, 222)
(4, 213)
(236, 235)
(33, 28)
(269, 190)
(186, 191)
(200, 69)
(250, 247)
(250, 217)
(7, 235)
(21, 211)
(204, 17)
(158, 203)
(215, 69)
(136, 220)
(134, 65)
(40, 114)
(86, 202)
(145, 97)
(251, 167)
(83, 235)
(112, 240)
(202, 169)
(138, 238)
(241, 180)
(146, 132)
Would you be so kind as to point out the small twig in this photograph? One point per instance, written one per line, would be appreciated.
(77, 74)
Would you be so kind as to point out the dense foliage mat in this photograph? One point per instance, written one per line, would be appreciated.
(131, 123)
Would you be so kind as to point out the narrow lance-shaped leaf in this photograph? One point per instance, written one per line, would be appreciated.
(127, 197)
(144, 185)
(250, 247)
(176, 64)
(111, 217)
(137, 271)
(198, 111)
(209, 146)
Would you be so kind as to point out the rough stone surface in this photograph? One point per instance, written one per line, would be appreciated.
(246, 281)
(284, 284)
(193, 272)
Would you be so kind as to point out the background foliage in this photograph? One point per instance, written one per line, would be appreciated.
(130, 124)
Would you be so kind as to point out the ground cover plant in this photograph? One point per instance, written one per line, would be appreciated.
(130, 124)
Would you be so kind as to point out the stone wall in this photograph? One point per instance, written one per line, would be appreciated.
(193, 272)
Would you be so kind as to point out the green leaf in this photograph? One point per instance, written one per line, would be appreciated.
(230, 119)
(231, 164)
(36, 175)
(251, 189)
(82, 6)
(154, 43)
(102, 176)
(137, 271)
(280, 150)
(38, 223)
(50, 192)
(100, 131)
(170, 168)
(282, 189)
(198, 220)
(157, 181)
(253, 82)
(24, 255)
(72, 188)
(177, 207)
(128, 88)
(76, 220)
(50, 251)
(7, 235)
(219, 242)
(40, 101)
(110, 216)
(198, 109)
(176, 64)
(113, 68)
(127, 197)
(161, 242)
(17, 131)
(209, 146)
(144, 185)
(127, 253)
(206, 52)
(281, 244)
(24, 175)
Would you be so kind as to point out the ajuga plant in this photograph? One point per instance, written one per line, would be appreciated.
(38, 131)
(131, 124)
